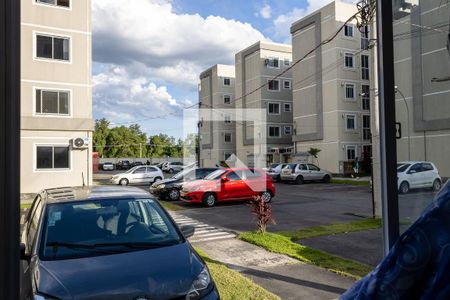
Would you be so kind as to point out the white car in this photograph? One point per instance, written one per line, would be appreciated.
(108, 166)
(173, 167)
(138, 175)
(417, 174)
(302, 172)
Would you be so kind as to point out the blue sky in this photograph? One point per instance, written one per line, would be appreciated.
(148, 56)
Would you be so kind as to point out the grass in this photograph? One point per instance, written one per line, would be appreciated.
(310, 232)
(171, 206)
(232, 285)
(351, 182)
(25, 205)
(281, 244)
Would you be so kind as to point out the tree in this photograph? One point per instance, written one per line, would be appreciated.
(314, 152)
(100, 136)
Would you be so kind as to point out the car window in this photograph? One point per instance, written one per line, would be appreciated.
(302, 167)
(402, 168)
(235, 175)
(313, 167)
(427, 167)
(290, 166)
(416, 167)
(34, 223)
(215, 175)
(139, 170)
(152, 169)
(252, 174)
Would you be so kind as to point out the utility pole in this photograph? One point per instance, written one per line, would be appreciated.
(140, 150)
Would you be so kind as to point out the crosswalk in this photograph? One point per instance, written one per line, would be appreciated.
(203, 232)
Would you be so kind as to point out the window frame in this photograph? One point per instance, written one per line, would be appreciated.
(225, 153)
(225, 139)
(363, 128)
(287, 127)
(274, 126)
(273, 103)
(227, 119)
(272, 59)
(352, 30)
(365, 39)
(347, 84)
(355, 148)
(223, 81)
(365, 97)
(37, 2)
(223, 98)
(52, 35)
(352, 55)
(52, 115)
(366, 69)
(286, 62)
(284, 84)
(52, 170)
(290, 107)
(268, 85)
(346, 117)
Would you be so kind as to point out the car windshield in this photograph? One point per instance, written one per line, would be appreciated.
(273, 166)
(290, 166)
(99, 227)
(215, 175)
(131, 170)
(184, 173)
(402, 167)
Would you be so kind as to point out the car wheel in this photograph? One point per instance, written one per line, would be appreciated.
(404, 187)
(437, 185)
(326, 179)
(209, 199)
(123, 181)
(157, 179)
(174, 194)
(299, 180)
(266, 196)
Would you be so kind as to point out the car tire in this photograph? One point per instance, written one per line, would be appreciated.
(209, 199)
(437, 185)
(404, 187)
(299, 179)
(266, 196)
(124, 182)
(174, 195)
(326, 179)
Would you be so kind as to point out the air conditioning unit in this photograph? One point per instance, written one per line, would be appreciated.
(80, 143)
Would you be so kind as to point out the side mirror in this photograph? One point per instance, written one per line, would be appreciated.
(225, 179)
(23, 255)
(187, 230)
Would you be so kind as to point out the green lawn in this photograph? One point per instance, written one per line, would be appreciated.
(310, 232)
(234, 286)
(171, 206)
(281, 244)
(25, 205)
(351, 182)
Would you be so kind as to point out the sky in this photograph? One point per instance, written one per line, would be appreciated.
(148, 55)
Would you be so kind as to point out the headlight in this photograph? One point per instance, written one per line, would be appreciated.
(161, 186)
(201, 286)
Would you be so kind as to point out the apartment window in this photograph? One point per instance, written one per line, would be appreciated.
(365, 67)
(52, 47)
(226, 155)
(274, 131)
(366, 127)
(272, 62)
(349, 91)
(227, 119)
(287, 107)
(274, 108)
(287, 130)
(348, 30)
(365, 38)
(349, 60)
(351, 152)
(52, 102)
(365, 97)
(227, 99)
(273, 85)
(287, 84)
(227, 81)
(350, 122)
(52, 157)
(287, 62)
(62, 3)
(227, 137)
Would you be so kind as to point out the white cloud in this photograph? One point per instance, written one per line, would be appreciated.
(265, 12)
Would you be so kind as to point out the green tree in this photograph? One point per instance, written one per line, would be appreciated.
(314, 152)
(100, 136)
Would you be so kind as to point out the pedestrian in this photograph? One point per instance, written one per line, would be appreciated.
(356, 166)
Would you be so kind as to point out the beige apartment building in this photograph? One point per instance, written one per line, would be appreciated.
(332, 88)
(56, 94)
(216, 120)
(255, 66)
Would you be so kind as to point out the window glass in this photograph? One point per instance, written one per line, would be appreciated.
(402, 167)
(226, 99)
(365, 96)
(350, 122)
(227, 81)
(227, 137)
(348, 30)
(274, 85)
(313, 167)
(287, 84)
(52, 157)
(61, 157)
(235, 175)
(287, 107)
(349, 60)
(44, 157)
(151, 169)
(349, 91)
(351, 152)
(49, 102)
(140, 170)
(44, 46)
(302, 167)
(33, 224)
(274, 131)
(274, 108)
(365, 67)
(65, 3)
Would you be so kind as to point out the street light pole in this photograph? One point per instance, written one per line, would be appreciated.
(407, 120)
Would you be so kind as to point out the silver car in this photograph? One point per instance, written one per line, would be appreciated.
(173, 167)
(138, 175)
(302, 172)
(274, 171)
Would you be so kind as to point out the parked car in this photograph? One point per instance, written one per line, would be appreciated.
(173, 167)
(302, 172)
(137, 163)
(108, 166)
(162, 164)
(170, 188)
(123, 165)
(138, 175)
(229, 185)
(274, 171)
(417, 174)
(108, 243)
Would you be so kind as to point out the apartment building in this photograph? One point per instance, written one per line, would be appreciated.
(257, 65)
(216, 121)
(332, 88)
(56, 96)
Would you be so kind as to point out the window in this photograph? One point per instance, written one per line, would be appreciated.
(312, 167)
(349, 91)
(52, 47)
(366, 127)
(287, 107)
(226, 155)
(235, 175)
(365, 38)
(287, 62)
(227, 99)
(227, 81)
(351, 152)
(227, 137)
(348, 30)
(350, 122)
(273, 62)
(227, 119)
(140, 170)
(252, 174)
(52, 102)
(287, 84)
(273, 85)
(349, 60)
(151, 169)
(287, 130)
(62, 3)
(274, 131)
(52, 157)
(365, 67)
(427, 167)
(274, 108)
(365, 97)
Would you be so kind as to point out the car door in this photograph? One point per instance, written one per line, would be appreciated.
(255, 181)
(138, 175)
(235, 186)
(428, 175)
(315, 172)
(302, 169)
(415, 176)
(150, 174)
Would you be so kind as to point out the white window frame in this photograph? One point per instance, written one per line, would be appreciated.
(268, 108)
(347, 54)
(284, 84)
(365, 97)
(365, 68)
(52, 60)
(66, 170)
(353, 31)
(345, 91)
(365, 128)
(47, 115)
(287, 127)
(365, 39)
(274, 136)
(35, 2)
(231, 137)
(268, 80)
(227, 119)
(290, 107)
(355, 123)
(223, 82)
(224, 96)
(354, 147)
(286, 62)
(273, 58)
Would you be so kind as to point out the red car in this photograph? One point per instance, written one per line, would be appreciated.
(229, 185)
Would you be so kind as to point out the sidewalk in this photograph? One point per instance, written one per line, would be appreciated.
(279, 274)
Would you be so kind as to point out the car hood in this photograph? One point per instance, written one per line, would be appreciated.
(162, 273)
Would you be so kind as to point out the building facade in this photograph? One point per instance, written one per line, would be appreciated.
(332, 88)
(257, 65)
(217, 129)
(56, 94)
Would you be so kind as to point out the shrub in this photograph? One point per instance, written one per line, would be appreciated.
(263, 212)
